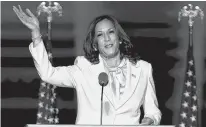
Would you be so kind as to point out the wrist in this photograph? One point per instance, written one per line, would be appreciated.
(36, 36)
(35, 33)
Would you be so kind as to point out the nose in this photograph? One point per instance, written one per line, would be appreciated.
(106, 37)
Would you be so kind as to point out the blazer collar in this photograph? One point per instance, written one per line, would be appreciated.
(132, 78)
(97, 69)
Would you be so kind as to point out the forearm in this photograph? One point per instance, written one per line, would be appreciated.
(40, 58)
(150, 104)
(59, 76)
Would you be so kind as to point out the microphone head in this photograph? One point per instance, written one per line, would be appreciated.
(103, 79)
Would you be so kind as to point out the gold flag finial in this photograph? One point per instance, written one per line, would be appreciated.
(187, 11)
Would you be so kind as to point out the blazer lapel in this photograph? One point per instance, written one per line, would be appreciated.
(97, 69)
(132, 78)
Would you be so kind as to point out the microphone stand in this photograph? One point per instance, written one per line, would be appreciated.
(103, 81)
(101, 104)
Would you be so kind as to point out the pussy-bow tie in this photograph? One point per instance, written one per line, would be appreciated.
(118, 77)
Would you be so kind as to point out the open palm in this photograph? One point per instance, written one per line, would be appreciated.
(28, 20)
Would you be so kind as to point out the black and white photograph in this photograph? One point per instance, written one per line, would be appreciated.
(103, 63)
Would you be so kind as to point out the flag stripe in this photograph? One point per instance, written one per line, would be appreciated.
(25, 43)
(23, 89)
(27, 74)
(24, 52)
(133, 25)
(28, 61)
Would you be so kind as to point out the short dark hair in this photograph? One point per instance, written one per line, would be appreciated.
(126, 48)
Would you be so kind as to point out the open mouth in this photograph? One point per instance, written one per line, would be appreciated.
(108, 46)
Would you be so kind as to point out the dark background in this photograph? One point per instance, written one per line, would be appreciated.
(153, 28)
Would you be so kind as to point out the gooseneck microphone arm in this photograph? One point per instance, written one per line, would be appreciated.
(103, 81)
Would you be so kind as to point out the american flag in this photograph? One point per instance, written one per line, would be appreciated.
(47, 105)
(188, 111)
(47, 111)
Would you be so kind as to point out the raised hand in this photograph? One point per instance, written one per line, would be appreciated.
(31, 22)
(28, 20)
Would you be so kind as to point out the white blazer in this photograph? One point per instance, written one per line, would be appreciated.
(83, 76)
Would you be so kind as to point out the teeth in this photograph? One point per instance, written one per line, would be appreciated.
(108, 46)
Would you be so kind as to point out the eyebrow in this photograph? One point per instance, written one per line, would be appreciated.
(108, 29)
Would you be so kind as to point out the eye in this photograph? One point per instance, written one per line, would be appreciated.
(111, 31)
(99, 34)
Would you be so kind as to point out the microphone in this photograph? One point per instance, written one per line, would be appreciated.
(103, 81)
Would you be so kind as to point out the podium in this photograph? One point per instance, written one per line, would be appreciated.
(70, 125)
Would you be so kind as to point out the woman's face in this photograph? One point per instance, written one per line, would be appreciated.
(107, 39)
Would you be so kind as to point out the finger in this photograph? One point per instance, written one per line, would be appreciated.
(30, 13)
(23, 14)
(19, 15)
(17, 12)
(20, 8)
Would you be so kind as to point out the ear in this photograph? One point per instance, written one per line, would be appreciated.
(95, 47)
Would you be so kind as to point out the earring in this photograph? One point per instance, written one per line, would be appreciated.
(120, 42)
(95, 49)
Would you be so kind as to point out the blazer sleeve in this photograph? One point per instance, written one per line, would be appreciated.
(150, 104)
(62, 76)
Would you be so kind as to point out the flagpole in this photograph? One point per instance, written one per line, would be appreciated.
(49, 113)
(188, 115)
